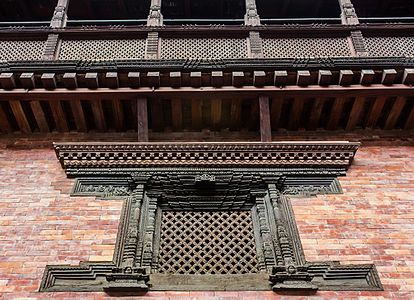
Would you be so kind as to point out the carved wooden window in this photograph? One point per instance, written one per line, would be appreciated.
(207, 217)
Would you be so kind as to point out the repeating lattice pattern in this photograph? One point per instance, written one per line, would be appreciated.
(203, 48)
(390, 46)
(309, 47)
(21, 50)
(207, 242)
(102, 49)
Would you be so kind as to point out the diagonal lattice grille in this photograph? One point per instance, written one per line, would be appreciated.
(207, 242)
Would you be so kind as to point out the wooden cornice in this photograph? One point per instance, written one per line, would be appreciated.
(318, 155)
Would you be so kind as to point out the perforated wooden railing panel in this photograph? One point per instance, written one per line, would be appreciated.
(21, 50)
(390, 46)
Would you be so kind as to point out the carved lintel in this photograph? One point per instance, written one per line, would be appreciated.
(128, 279)
(358, 43)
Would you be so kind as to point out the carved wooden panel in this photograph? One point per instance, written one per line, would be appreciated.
(305, 47)
(390, 46)
(252, 244)
(102, 49)
(21, 50)
(199, 48)
(207, 242)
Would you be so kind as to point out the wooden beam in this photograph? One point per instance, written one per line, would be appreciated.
(7, 81)
(4, 122)
(118, 114)
(345, 77)
(20, 116)
(175, 79)
(315, 114)
(134, 79)
(79, 116)
(324, 77)
(217, 79)
(142, 113)
(70, 80)
(265, 127)
(48, 80)
(39, 116)
(58, 116)
(335, 115)
(237, 79)
(280, 78)
(216, 113)
(409, 124)
(177, 114)
(296, 113)
(98, 114)
(226, 91)
(259, 78)
(303, 78)
(367, 77)
(254, 116)
(375, 112)
(195, 79)
(92, 80)
(388, 76)
(276, 112)
(355, 114)
(27, 80)
(153, 79)
(408, 77)
(235, 114)
(112, 80)
(196, 113)
(395, 113)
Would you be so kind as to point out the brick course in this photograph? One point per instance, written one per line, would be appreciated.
(40, 224)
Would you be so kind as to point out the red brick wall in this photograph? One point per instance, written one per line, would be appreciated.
(373, 221)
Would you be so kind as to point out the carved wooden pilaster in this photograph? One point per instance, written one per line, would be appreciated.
(358, 43)
(251, 18)
(50, 51)
(155, 17)
(60, 14)
(348, 14)
(152, 46)
(255, 45)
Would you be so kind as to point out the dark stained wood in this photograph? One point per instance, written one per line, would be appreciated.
(388, 76)
(20, 116)
(315, 114)
(39, 116)
(254, 117)
(177, 114)
(375, 112)
(118, 113)
(195, 79)
(142, 114)
(4, 122)
(235, 114)
(395, 113)
(280, 78)
(275, 113)
(157, 119)
(78, 115)
(367, 77)
(265, 127)
(216, 113)
(303, 78)
(335, 115)
(70, 80)
(98, 114)
(408, 77)
(409, 124)
(211, 92)
(27, 80)
(355, 113)
(58, 116)
(259, 78)
(196, 113)
(7, 81)
(48, 80)
(295, 113)
(345, 77)
(324, 77)
(217, 78)
(92, 80)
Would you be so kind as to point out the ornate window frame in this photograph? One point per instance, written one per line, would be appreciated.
(148, 175)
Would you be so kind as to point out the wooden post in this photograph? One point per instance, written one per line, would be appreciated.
(265, 128)
(142, 113)
(60, 14)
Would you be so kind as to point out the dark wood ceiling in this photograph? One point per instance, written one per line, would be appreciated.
(294, 113)
(26, 10)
